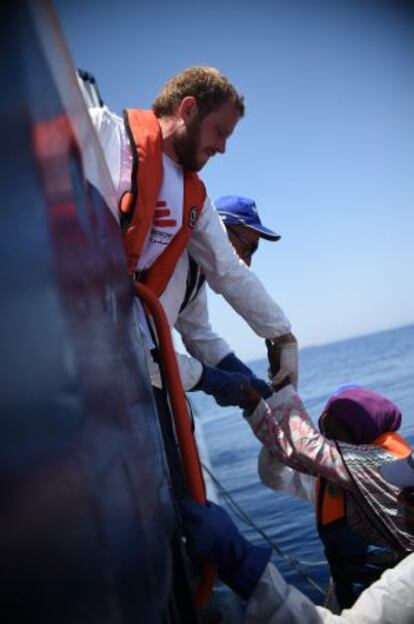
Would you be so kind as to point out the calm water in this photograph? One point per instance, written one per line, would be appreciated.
(382, 362)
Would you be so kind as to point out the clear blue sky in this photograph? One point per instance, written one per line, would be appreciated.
(326, 148)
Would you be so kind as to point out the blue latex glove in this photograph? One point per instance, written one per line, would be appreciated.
(214, 537)
(226, 388)
(232, 364)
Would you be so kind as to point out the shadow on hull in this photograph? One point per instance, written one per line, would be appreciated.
(88, 524)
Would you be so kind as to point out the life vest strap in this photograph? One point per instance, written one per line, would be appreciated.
(137, 206)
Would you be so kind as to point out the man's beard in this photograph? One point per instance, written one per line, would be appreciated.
(186, 146)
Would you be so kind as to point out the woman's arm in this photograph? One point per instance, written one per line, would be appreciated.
(279, 477)
(284, 427)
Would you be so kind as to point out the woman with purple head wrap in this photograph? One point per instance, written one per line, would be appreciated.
(365, 414)
(338, 469)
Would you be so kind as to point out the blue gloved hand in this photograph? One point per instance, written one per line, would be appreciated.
(232, 364)
(214, 537)
(226, 388)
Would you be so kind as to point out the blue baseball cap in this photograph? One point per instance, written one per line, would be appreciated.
(399, 472)
(234, 210)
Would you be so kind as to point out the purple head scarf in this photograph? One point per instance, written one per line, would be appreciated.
(367, 413)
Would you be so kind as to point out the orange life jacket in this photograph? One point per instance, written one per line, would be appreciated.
(137, 206)
(330, 507)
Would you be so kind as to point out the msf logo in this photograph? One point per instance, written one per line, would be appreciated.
(161, 214)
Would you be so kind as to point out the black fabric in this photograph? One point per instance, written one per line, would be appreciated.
(125, 218)
(195, 280)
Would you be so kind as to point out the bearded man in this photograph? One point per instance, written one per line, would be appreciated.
(153, 156)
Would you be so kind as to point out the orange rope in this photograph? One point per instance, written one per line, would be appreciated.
(189, 454)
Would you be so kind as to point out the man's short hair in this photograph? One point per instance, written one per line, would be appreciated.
(206, 84)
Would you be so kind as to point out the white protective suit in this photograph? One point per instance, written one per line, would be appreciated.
(193, 324)
(210, 248)
(390, 600)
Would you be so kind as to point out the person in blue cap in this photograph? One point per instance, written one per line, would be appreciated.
(224, 375)
(243, 225)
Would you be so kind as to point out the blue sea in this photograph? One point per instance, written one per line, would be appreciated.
(382, 361)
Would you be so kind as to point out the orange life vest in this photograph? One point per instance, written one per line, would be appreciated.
(137, 206)
(330, 507)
